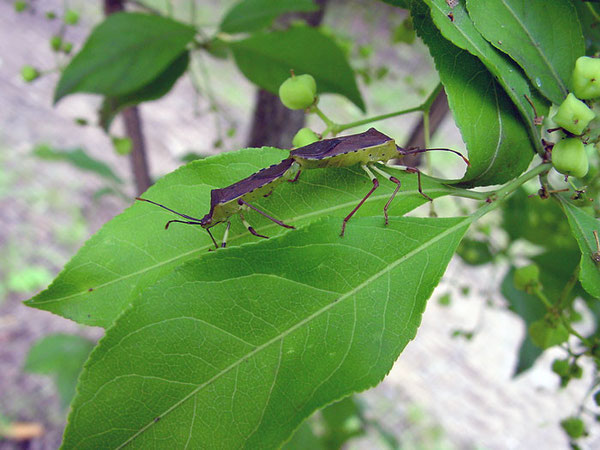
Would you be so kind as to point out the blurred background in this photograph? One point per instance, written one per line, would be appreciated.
(62, 177)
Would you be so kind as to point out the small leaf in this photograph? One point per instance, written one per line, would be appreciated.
(77, 158)
(475, 252)
(267, 332)
(498, 143)
(123, 54)
(583, 227)
(247, 16)
(545, 335)
(462, 32)
(122, 146)
(161, 85)
(587, 13)
(543, 37)
(62, 356)
(134, 250)
(267, 58)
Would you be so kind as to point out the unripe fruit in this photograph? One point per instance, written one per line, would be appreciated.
(544, 335)
(67, 47)
(20, 5)
(29, 73)
(561, 367)
(71, 17)
(573, 115)
(304, 136)
(298, 91)
(569, 157)
(56, 43)
(573, 426)
(526, 276)
(586, 78)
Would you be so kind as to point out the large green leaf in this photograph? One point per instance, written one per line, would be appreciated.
(583, 226)
(62, 356)
(237, 347)
(161, 85)
(587, 13)
(497, 140)
(252, 15)
(462, 32)
(543, 37)
(267, 58)
(134, 250)
(124, 53)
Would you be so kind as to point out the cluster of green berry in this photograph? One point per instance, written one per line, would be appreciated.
(569, 155)
(300, 92)
(57, 43)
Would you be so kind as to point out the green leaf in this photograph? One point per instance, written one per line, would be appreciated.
(587, 12)
(462, 32)
(583, 227)
(540, 221)
(342, 421)
(62, 356)
(498, 143)
(160, 86)
(251, 340)
(267, 58)
(247, 16)
(77, 158)
(543, 37)
(133, 250)
(475, 252)
(404, 4)
(124, 53)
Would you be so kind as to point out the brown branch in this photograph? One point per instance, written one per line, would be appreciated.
(133, 126)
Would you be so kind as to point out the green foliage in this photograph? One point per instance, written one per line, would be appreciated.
(161, 85)
(521, 29)
(145, 47)
(574, 427)
(29, 73)
(247, 16)
(498, 144)
(337, 330)
(71, 17)
(77, 158)
(61, 356)
(267, 58)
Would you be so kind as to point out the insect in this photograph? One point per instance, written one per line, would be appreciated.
(365, 149)
(234, 199)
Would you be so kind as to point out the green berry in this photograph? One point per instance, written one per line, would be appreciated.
(67, 47)
(544, 335)
(586, 78)
(298, 92)
(122, 146)
(56, 43)
(573, 426)
(71, 17)
(561, 367)
(20, 5)
(526, 276)
(573, 115)
(29, 73)
(570, 158)
(304, 136)
(50, 15)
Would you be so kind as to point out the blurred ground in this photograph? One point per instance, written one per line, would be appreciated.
(442, 393)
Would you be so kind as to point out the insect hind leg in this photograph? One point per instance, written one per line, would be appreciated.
(393, 180)
(375, 186)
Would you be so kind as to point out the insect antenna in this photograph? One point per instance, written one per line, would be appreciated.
(169, 209)
(423, 150)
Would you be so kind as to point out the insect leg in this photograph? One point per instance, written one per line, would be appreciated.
(250, 229)
(213, 239)
(293, 180)
(375, 186)
(278, 222)
(393, 180)
(418, 172)
(225, 235)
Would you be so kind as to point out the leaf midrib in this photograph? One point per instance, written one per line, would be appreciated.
(305, 321)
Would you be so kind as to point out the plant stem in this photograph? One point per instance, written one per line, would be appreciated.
(568, 287)
(336, 128)
(593, 12)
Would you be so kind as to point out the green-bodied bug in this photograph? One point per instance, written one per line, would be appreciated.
(234, 199)
(365, 149)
